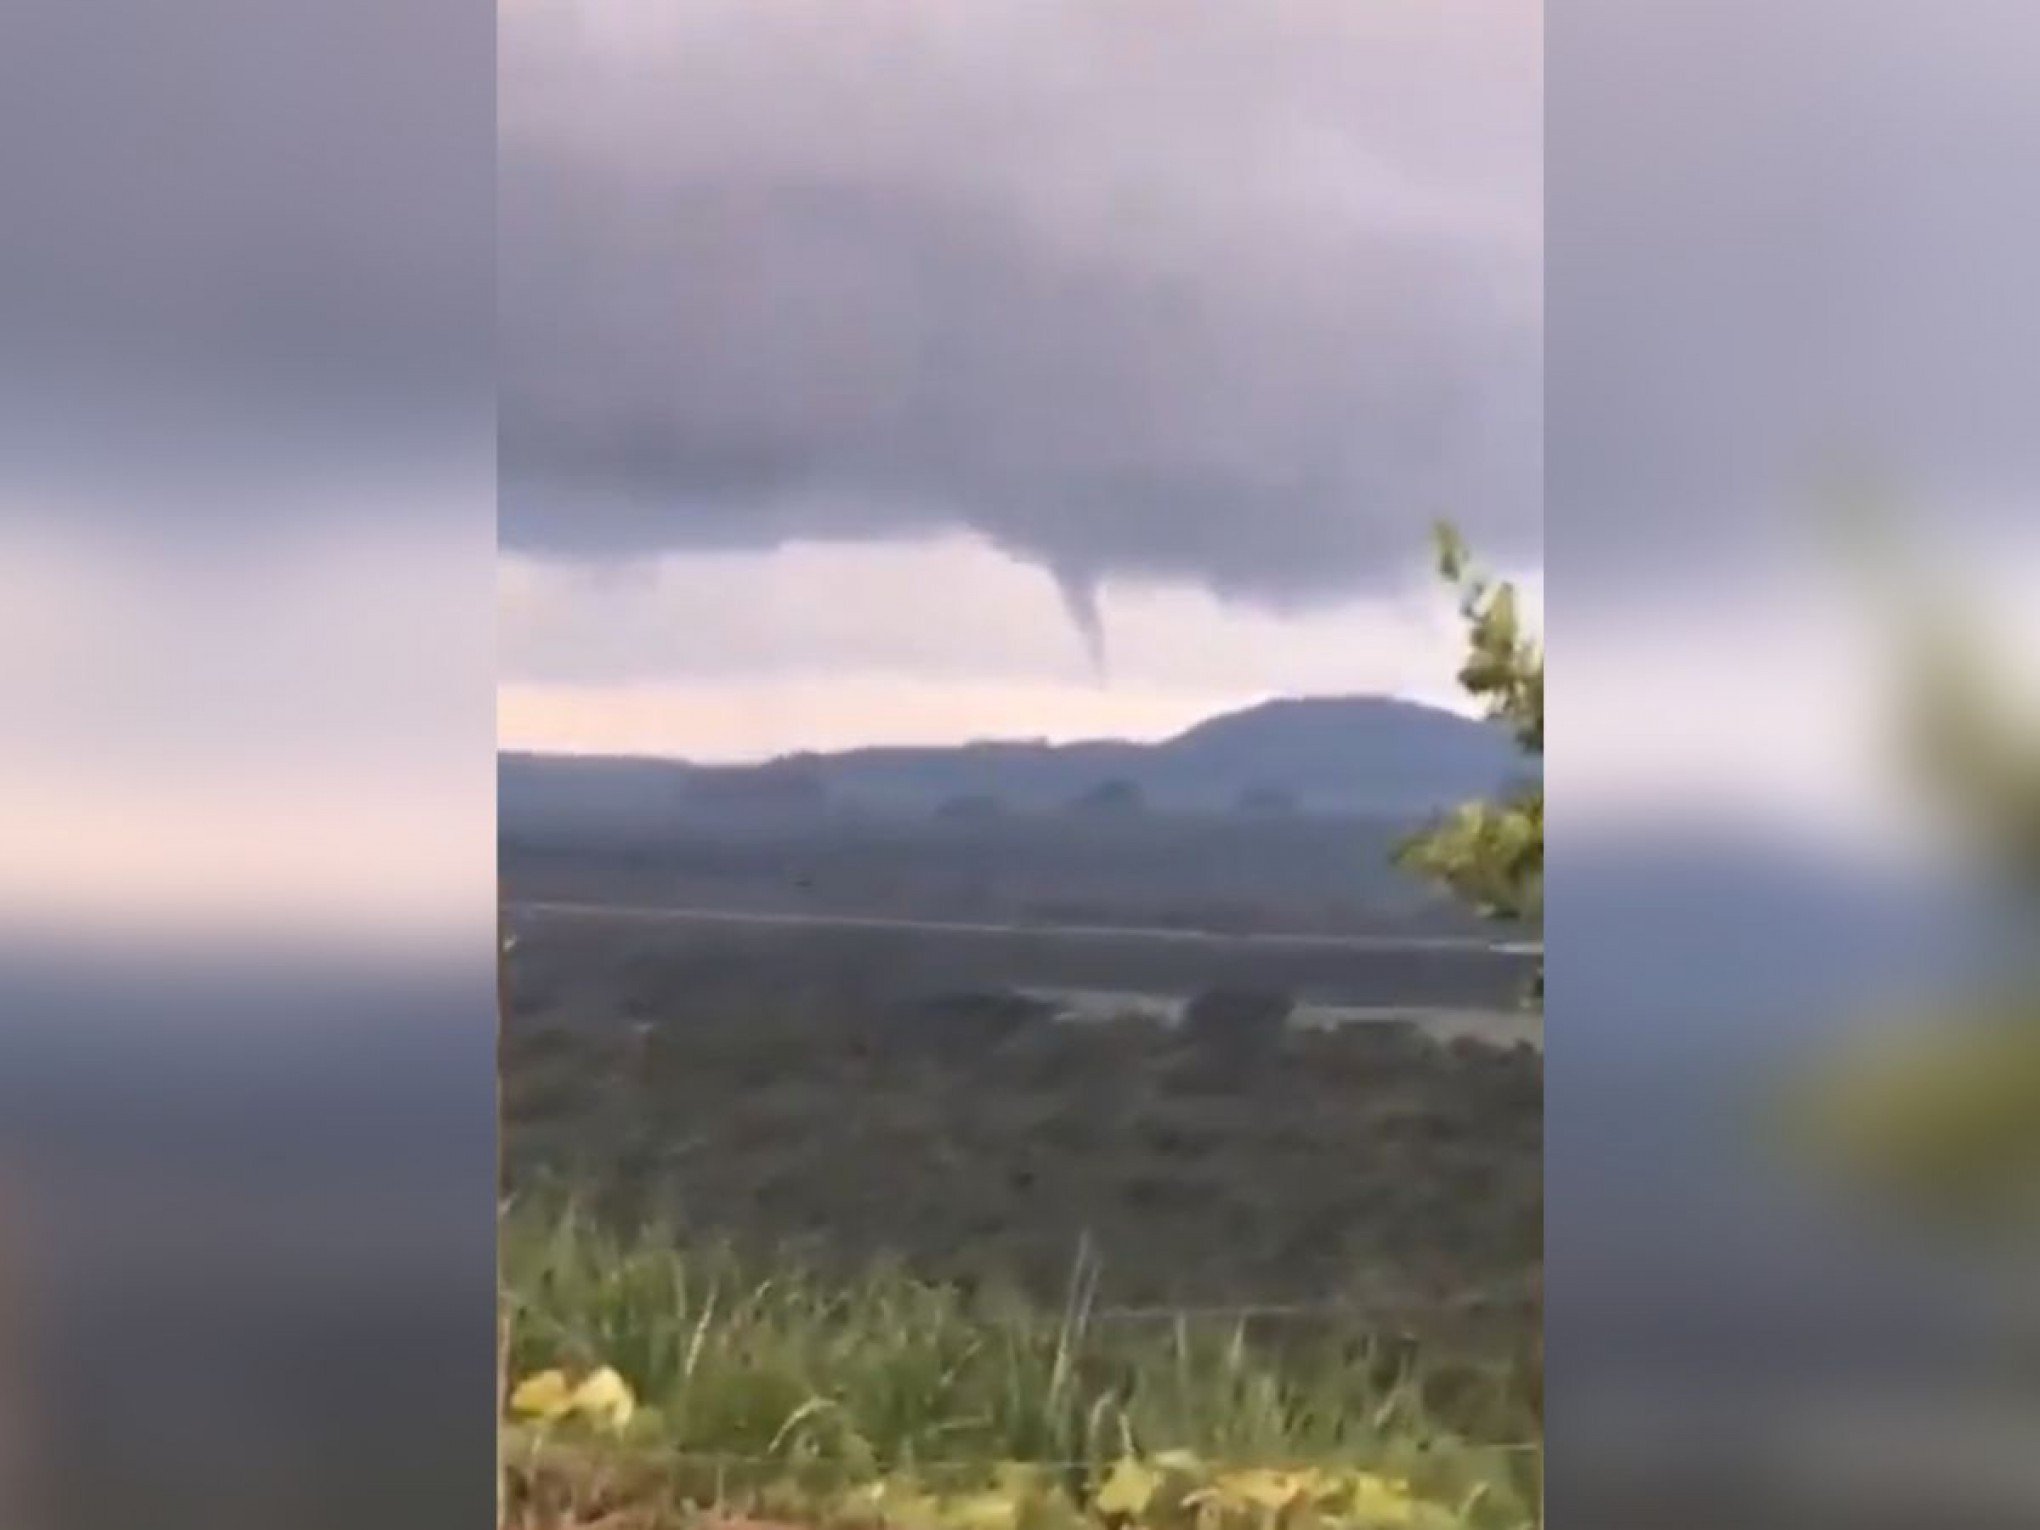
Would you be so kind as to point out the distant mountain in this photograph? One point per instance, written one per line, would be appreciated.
(1365, 755)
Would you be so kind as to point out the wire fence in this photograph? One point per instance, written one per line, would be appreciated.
(1358, 1314)
(711, 1460)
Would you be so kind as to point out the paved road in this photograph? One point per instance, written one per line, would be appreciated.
(521, 910)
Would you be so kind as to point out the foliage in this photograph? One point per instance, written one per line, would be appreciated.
(566, 1490)
(1172, 1490)
(1974, 757)
(1941, 1117)
(966, 1134)
(1938, 1120)
(1490, 855)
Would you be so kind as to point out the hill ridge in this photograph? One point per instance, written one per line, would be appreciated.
(1369, 753)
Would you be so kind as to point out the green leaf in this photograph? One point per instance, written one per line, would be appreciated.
(1490, 855)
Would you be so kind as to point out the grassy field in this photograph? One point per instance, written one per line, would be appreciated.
(767, 1391)
(868, 1243)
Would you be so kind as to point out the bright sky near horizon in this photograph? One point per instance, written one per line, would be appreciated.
(826, 646)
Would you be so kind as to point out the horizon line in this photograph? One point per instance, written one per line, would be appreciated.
(985, 741)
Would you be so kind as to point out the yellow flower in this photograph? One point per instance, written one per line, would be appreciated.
(1258, 1488)
(604, 1398)
(898, 1502)
(985, 1511)
(1382, 1500)
(1019, 1479)
(1127, 1490)
(544, 1396)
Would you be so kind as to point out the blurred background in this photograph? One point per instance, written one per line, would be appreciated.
(246, 655)
(1787, 1283)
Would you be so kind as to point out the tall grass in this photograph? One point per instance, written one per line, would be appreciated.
(747, 1371)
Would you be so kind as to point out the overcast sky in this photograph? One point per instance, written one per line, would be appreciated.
(873, 370)
(1023, 366)
(850, 352)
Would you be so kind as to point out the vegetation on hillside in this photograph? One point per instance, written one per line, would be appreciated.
(1218, 1159)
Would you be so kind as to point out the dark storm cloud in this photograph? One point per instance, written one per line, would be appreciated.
(1781, 233)
(244, 243)
(1243, 294)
